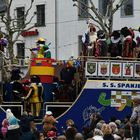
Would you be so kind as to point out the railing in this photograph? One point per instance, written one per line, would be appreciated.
(13, 107)
(58, 108)
(22, 62)
(111, 68)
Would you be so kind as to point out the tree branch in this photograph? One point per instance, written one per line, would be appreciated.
(93, 8)
(20, 31)
(98, 17)
(27, 12)
(86, 12)
(9, 4)
(117, 6)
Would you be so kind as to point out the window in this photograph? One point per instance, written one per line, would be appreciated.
(20, 16)
(127, 8)
(20, 53)
(83, 11)
(40, 15)
(103, 6)
(3, 6)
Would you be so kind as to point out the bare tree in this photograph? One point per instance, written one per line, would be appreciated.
(105, 21)
(14, 25)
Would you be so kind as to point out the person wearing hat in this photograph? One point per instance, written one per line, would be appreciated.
(51, 135)
(47, 53)
(13, 132)
(49, 122)
(101, 44)
(137, 51)
(135, 118)
(4, 127)
(115, 47)
(34, 95)
(40, 47)
(89, 39)
(127, 44)
(43, 49)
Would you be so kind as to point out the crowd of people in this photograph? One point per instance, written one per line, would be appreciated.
(25, 128)
(120, 43)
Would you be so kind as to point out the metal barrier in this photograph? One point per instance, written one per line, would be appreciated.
(22, 62)
(12, 106)
(57, 108)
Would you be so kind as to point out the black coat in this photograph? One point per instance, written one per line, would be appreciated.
(108, 137)
(28, 136)
(13, 134)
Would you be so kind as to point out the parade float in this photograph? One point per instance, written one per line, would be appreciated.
(109, 89)
(111, 84)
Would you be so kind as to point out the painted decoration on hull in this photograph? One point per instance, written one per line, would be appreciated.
(115, 69)
(109, 98)
(103, 69)
(91, 68)
(112, 69)
(137, 70)
(128, 70)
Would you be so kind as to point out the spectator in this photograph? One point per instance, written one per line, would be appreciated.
(95, 118)
(41, 136)
(118, 123)
(4, 128)
(113, 127)
(34, 130)
(13, 132)
(48, 122)
(99, 125)
(25, 127)
(127, 127)
(61, 137)
(51, 135)
(135, 118)
(107, 132)
(97, 134)
(87, 133)
(79, 136)
(25, 122)
(71, 130)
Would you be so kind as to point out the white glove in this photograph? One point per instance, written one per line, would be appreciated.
(23, 98)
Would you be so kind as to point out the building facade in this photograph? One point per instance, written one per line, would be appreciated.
(62, 25)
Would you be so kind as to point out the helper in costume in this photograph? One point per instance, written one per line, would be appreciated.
(115, 47)
(127, 49)
(41, 50)
(101, 48)
(34, 96)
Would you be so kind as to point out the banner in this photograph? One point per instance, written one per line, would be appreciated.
(112, 69)
(109, 98)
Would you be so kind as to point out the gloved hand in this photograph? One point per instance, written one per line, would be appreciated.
(23, 98)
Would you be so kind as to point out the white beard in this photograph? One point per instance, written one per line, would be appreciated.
(93, 38)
